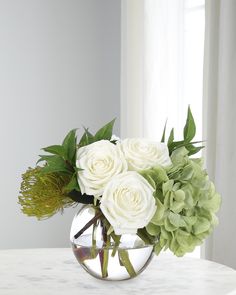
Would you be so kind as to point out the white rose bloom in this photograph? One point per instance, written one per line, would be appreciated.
(128, 202)
(143, 154)
(100, 161)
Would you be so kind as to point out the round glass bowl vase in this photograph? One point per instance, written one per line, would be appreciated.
(102, 256)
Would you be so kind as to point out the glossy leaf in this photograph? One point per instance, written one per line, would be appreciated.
(164, 133)
(105, 132)
(73, 184)
(86, 139)
(56, 164)
(44, 158)
(171, 137)
(190, 127)
(193, 149)
(56, 150)
(69, 144)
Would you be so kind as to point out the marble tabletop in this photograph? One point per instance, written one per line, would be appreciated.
(55, 271)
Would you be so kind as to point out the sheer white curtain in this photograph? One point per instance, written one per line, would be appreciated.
(162, 66)
(174, 63)
(220, 121)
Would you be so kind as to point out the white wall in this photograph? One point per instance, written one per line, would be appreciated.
(59, 69)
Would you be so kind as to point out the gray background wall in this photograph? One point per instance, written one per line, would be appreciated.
(59, 69)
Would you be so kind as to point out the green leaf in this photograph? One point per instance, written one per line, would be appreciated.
(193, 149)
(73, 184)
(44, 158)
(53, 169)
(105, 132)
(86, 139)
(56, 150)
(178, 144)
(55, 164)
(171, 137)
(190, 127)
(164, 132)
(69, 144)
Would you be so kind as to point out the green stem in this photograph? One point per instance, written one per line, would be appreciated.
(124, 258)
(93, 250)
(104, 253)
(117, 243)
(87, 225)
(105, 259)
(115, 237)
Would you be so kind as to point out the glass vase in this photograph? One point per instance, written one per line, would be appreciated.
(102, 256)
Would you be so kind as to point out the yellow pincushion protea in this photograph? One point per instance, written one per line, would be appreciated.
(41, 195)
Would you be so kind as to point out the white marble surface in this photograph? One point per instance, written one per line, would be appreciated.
(55, 271)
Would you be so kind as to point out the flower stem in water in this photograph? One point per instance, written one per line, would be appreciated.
(93, 249)
(124, 259)
(104, 252)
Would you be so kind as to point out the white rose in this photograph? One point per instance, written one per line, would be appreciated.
(128, 202)
(100, 161)
(143, 154)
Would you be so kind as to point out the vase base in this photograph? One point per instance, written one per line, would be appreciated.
(112, 263)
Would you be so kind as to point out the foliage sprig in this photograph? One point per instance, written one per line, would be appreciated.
(188, 134)
(48, 189)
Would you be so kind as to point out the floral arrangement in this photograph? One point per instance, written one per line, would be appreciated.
(156, 190)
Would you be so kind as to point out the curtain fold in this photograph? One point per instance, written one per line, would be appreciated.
(132, 64)
(219, 122)
(161, 65)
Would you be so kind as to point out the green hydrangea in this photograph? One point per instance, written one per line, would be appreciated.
(186, 204)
